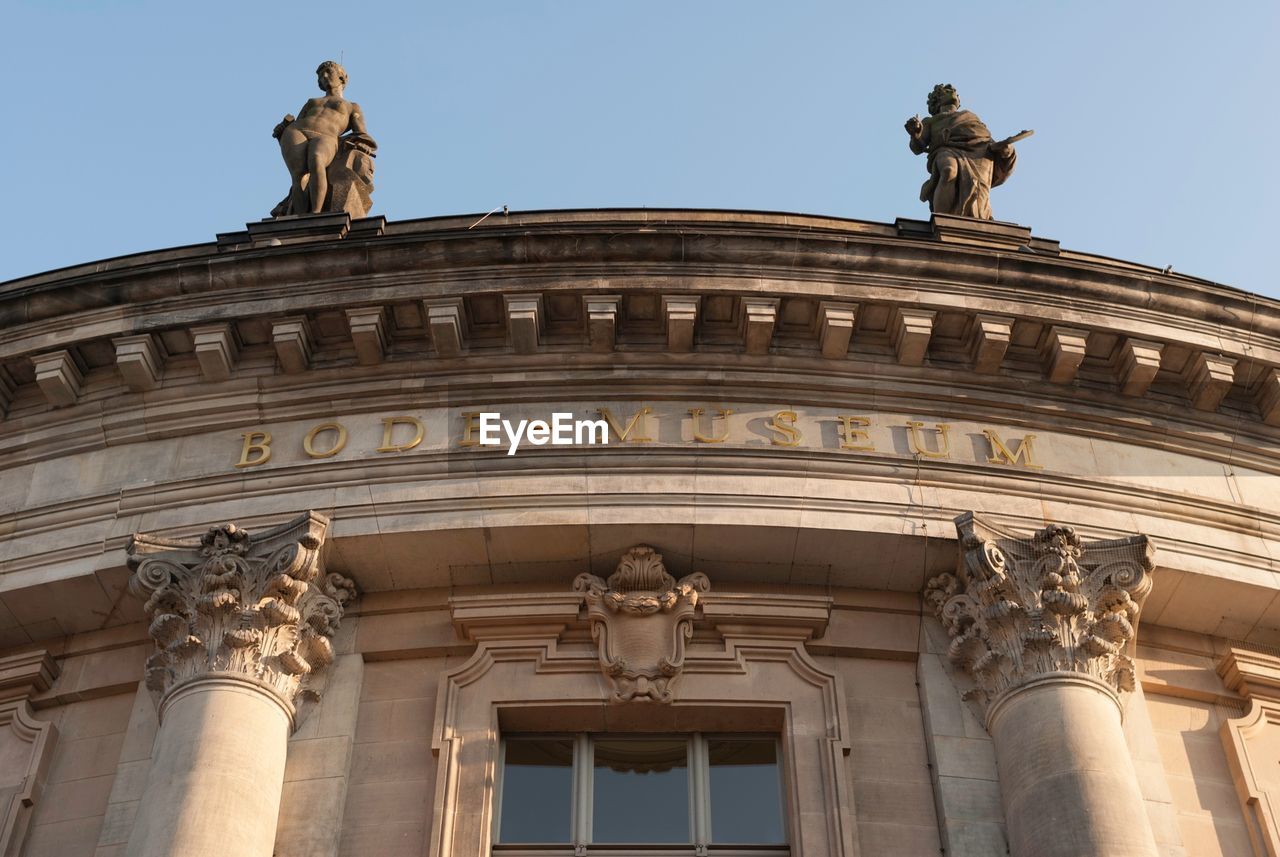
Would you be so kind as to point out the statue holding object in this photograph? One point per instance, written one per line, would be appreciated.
(328, 152)
(964, 162)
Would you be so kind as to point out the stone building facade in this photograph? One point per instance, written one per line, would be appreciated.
(913, 538)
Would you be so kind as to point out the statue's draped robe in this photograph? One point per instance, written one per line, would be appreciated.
(960, 135)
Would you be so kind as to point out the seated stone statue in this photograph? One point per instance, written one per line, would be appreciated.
(964, 162)
(328, 152)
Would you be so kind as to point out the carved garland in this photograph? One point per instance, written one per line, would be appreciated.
(229, 606)
(641, 619)
(1017, 609)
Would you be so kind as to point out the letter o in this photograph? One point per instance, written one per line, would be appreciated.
(308, 442)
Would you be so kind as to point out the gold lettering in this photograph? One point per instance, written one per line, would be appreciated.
(702, 438)
(308, 442)
(855, 438)
(917, 443)
(623, 433)
(469, 428)
(1001, 454)
(259, 441)
(388, 427)
(784, 423)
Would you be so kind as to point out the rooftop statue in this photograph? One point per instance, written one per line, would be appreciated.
(964, 162)
(328, 152)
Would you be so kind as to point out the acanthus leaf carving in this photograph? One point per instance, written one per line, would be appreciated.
(1020, 608)
(259, 606)
(641, 620)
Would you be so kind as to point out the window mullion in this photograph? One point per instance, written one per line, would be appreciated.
(699, 791)
(496, 832)
(583, 768)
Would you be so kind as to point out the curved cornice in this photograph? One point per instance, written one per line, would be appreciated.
(983, 314)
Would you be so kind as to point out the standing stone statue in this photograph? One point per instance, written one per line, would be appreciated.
(328, 152)
(964, 162)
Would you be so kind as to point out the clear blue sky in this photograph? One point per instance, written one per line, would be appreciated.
(140, 125)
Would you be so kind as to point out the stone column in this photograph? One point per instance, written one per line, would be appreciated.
(242, 625)
(1042, 625)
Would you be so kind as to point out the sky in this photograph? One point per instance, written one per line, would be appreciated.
(141, 125)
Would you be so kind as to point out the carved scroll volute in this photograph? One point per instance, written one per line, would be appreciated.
(1020, 608)
(257, 606)
(641, 618)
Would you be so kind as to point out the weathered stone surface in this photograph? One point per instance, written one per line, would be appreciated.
(641, 619)
(328, 132)
(1252, 742)
(1043, 625)
(602, 321)
(139, 360)
(257, 607)
(1019, 609)
(26, 744)
(964, 162)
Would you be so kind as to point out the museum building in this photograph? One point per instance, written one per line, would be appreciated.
(637, 532)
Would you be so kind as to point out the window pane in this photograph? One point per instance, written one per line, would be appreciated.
(746, 796)
(537, 787)
(641, 792)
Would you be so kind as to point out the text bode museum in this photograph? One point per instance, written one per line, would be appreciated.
(637, 532)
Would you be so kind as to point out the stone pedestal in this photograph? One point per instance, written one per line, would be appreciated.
(242, 625)
(1042, 626)
(1066, 779)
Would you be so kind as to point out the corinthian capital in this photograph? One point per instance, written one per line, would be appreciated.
(1018, 609)
(257, 606)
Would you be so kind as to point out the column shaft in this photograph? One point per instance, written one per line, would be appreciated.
(217, 773)
(1067, 782)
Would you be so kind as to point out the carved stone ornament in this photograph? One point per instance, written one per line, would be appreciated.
(256, 606)
(1018, 609)
(641, 619)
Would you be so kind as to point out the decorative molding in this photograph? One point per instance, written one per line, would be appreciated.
(216, 351)
(524, 321)
(259, 607)
(7, 390)
(1209, 378)
(759, 318)
(1020, 609)
(1268, 397)
(911, 331)
(447, 321)
(752, 673)
(58, 378)
(368, 334)
(681, 314)
(1063, 352)
(1252, 742)
(836, 322)
(602, 321)
(1139, 364)
(139, 361)
(26, 744)
(293, 343)
(641, 619)
(989, 339)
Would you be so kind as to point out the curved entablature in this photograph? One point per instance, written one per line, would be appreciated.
(802, 399)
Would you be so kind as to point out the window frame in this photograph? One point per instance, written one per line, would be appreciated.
(581, 803)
